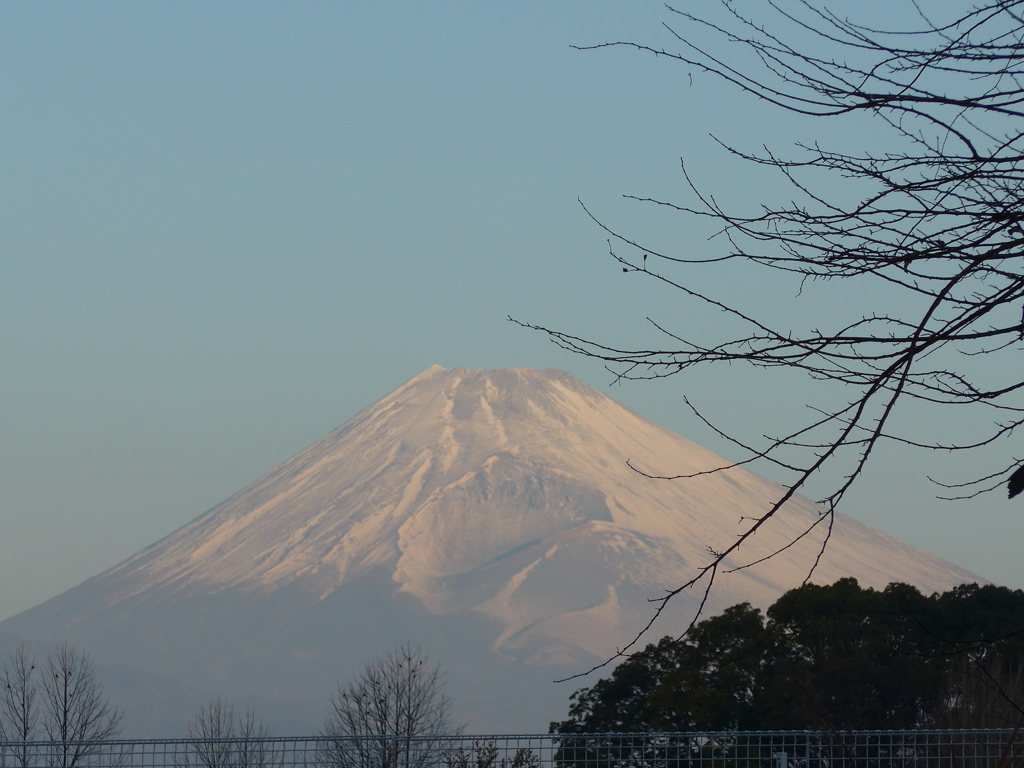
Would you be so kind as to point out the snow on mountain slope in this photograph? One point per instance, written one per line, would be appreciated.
(499, 502)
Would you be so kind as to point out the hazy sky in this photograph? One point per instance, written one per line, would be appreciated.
(228, 227)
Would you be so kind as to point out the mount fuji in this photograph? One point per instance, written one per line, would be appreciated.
(488, 516)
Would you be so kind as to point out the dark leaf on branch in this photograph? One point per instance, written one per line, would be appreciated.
(1016, 483)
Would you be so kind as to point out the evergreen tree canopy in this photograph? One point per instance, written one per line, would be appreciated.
(837, 656)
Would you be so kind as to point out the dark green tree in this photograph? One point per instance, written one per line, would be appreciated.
(847, 657)
(981, 630)
(828, 657)
(715, 686)
(704, 681)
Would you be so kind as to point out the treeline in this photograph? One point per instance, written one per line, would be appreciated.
(825, 657)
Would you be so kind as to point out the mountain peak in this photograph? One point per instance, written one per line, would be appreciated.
(446, 439)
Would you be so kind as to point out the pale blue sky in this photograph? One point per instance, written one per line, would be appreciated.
(226, 228)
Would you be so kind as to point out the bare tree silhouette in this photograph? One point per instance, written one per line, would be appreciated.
(934, 219)
(75, 712)
(220, 739)
(394, 714)
(18, 710)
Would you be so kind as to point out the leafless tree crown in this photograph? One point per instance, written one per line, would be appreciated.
(932, 223)
(220, 739)
(394, 714)
(18, 711)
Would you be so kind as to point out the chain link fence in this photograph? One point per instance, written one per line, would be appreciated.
(1002, 748)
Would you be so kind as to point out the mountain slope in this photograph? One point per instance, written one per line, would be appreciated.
(488, 515)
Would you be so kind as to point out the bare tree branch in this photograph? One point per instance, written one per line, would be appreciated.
(933, 226)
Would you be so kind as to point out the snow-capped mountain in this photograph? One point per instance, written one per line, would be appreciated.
(489, 516)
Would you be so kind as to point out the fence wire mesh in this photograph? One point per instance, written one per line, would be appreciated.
(1003, 748)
